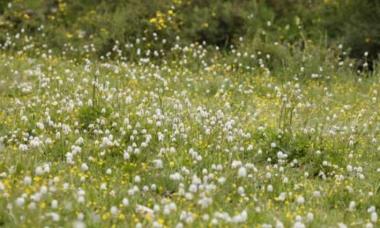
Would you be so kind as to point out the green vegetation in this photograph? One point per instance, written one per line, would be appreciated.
(106, 24)
(189, 113)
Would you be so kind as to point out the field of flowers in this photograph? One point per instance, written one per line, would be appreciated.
(194, 141)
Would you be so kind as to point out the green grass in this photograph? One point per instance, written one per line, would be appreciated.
(203, 125)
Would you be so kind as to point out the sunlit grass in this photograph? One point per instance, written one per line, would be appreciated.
(112, 143)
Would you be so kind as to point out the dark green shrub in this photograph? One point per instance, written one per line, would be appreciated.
(114, 26)
(357, 23)
(217, 23)
(106, 23)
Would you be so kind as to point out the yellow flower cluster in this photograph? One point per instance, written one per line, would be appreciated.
(162, 20)
(159, 20)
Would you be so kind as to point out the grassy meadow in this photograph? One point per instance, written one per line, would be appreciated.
(264, 134)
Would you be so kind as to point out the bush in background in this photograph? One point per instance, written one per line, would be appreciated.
(154, 25)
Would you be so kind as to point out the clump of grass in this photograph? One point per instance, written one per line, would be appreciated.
(89, 114)
(302, 151)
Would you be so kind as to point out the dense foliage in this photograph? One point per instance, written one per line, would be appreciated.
(108, 23)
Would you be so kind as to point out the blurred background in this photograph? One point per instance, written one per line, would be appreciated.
(157, 25)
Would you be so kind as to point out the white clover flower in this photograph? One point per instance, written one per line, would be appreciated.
(342, 225)
(281, 155)
(54, 216)
(137, 179)
(242, 172)
(279, 224)
(317, 194)
(84, 167)
(309, 217)
(240, 218)
(69, 158)
(189, 196)
(153, 187)
(126, 155)
(36, 197)
(187, 217)
(158, 164)
(299, 225)
(23, 147)
(144, 210)
(39, 171)
(282, 196)
(66, 129)
(352, 206)
(20, 201)
(79, 224)
(128, 100)
(54, 204)
(114, 210)
(241, 190)
(79, 141)
(107, 142)
(27, 180)
(176, 176)
(204, 202)
(40, 125)
(193, 188)
(222, 180)
(371, 209)
(300, 200)
(160, 136)
(75, 150)
(65, 186)
(374, 217)
(35, 142)
(80, 196)
(43, 189)
(103, 186)
(236, 164)
(125, 202)
(24, 118)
